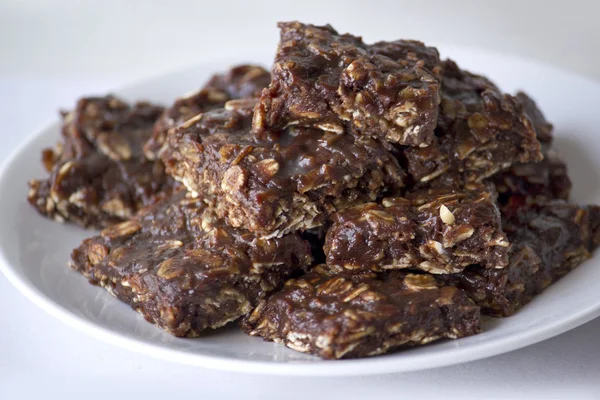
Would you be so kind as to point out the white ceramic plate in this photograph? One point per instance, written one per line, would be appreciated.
(34, 251)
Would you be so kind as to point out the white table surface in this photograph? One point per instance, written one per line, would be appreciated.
(53, 51)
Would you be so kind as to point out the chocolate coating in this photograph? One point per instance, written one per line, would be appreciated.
(98, 173)
(278, 181)
(439, 231)
(480, 131)
(185, 270)
(321, 78)
(335, 314)
(239, 82)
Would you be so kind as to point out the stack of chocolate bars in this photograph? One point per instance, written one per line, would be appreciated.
(357, 199)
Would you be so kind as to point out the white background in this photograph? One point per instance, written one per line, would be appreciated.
(53, 51)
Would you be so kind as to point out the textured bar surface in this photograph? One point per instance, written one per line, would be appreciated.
(277, 182)
(439, 231)
(336, 314)
(548, 240)
(389, 90)
(98, 172)
(480, 131)
(239, 82)
(183, 269)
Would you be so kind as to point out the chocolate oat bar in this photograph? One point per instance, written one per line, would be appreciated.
(278, 181)
(98, 173)
(548, 240)
(389, 90)
(439, 231)
(480, 131)
(336, 314)
(239, 82)
(185, 270)
(316, 239)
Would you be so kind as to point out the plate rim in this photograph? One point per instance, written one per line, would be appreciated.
(366, 366)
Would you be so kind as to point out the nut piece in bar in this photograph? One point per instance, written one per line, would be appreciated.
(281, 181)
(185, 270)
(439, 231)
(548, 241)
(480, 131)
(357, 314)
(533, 182)
(239, 82)
(98, 173)
(389, 90)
